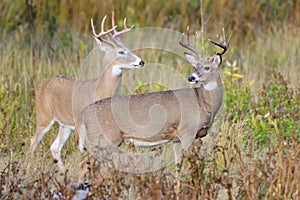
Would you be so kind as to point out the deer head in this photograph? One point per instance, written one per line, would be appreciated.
(205, 69)
(115, 51)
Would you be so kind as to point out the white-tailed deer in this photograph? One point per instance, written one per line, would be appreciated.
(55, 97)
(155, 118)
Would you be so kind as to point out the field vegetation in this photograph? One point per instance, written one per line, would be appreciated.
(257, 155)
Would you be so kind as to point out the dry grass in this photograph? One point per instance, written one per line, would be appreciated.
(231, 171)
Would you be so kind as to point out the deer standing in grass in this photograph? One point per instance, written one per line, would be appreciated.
(55, 99)
(151, 119)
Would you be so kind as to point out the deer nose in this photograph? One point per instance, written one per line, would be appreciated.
(191, 78)
(142, 63)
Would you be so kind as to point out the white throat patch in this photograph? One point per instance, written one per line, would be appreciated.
(211, 85)
(117, 70)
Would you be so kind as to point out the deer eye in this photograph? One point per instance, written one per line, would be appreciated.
(121, 52)
(207, 68)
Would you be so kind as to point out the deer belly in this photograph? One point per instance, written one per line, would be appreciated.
(147, 144)
(166, 135)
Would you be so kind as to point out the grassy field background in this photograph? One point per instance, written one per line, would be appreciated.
(258, 153)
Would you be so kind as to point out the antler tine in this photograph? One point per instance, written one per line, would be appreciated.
(102, 33)
(117, 33)
(188, 45)
(224, 46)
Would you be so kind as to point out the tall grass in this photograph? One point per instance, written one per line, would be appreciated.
(44, 19)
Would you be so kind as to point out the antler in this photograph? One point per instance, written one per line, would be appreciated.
(224, 46)
(188, 45)
(117, 33)
(102, 33)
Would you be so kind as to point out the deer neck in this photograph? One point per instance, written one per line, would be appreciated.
(108, 82)
(215, 90)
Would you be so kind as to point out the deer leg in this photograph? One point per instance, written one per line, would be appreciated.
(84, 167)
(187, 136)
(177, 148)
(39, 134)
(56, 147)
(186, 141)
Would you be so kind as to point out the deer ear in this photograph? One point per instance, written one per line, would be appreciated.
(102, 45)
(190, 58)
(217, 60)
(97, 40)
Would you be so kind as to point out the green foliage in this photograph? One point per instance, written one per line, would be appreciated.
(273, 114)
(237, 98)
(276, 111)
